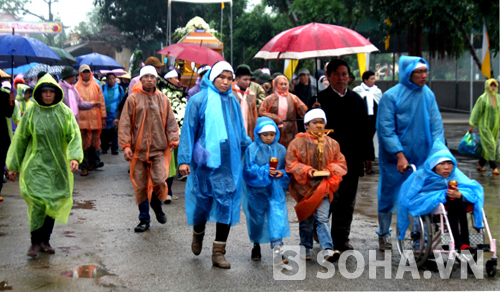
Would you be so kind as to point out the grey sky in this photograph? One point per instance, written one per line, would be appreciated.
(71, 12)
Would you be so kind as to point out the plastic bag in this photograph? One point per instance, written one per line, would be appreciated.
(470, 145)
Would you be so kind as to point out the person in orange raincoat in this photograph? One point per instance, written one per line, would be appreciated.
(282, 107)
(148, 133)
(314, 194)
(246, 98)
(91, 122)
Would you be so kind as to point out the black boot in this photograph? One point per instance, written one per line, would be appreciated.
(256, 256)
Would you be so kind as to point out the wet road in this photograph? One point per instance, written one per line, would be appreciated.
(98, 250)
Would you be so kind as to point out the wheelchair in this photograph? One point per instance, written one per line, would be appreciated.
(432, 233)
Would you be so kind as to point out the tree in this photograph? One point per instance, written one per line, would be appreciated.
(18, 8)
(441, 27)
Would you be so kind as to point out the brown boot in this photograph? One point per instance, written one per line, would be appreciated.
(46, 248)
(218, 252)
(84, 172)
(34, 250)
(197, 243)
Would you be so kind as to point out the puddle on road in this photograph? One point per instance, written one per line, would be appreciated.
(88, 271)
(4, 286)
(87, 205)
(2, 234)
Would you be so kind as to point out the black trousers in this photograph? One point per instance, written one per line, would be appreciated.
(482, 162)
(342, 209)
(170, 181)
(457, 216)
(4, 147)
(43, 233)
(89, 158)
(221, 230)
(109, 136)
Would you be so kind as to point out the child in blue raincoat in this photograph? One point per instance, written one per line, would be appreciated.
(263, 198)
(429, 186)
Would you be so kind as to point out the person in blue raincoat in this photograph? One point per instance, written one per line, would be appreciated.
(263, 198)
(408, 123)
(428, 186)
(213, 140)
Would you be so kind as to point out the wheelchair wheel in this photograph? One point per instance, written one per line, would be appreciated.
(419, 240)
(491, 267)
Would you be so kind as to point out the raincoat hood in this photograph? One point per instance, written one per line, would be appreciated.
(264, 121)
(487, 86)
(406, 66)
(47, 80)
(20, 91)
(439, 150)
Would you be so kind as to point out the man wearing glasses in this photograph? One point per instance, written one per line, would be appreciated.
(408, 123)
(148, 133)
(347, 115)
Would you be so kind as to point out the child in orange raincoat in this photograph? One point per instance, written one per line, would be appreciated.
(314, 194)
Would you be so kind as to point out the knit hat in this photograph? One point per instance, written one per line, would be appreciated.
(315, 113)
(149, 69)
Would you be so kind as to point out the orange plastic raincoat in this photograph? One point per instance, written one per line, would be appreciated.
(148, 126)
(302, 156)
(252, 108)
(270, 107)
(90, 121)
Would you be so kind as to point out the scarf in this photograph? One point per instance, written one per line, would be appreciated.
(243, 103)
(369, 97)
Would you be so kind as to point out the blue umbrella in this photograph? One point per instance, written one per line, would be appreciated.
(97, 62)
(20, 69)
(20, 50)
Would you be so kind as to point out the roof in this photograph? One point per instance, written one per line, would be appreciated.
(204, 37)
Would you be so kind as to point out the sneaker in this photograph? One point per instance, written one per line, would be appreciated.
(331, 255)
(101, 164)
(256, 256)
(168, 200)
(305, 253)
(174, 197)
(384, 244)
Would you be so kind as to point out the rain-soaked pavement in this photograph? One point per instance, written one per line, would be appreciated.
(98, 250)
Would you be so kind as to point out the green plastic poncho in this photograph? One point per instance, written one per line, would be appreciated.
(486, 115)
(46, 140)
(24, 104)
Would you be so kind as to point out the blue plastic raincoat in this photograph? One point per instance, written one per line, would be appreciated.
(425, 189)
(45, 142)
(113, 96)
(263, 198)
(213, 140)
(408, 121)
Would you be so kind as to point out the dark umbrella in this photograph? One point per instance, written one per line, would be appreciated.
(98, 62)
(66, 58)
(33, 72)
(20, 50)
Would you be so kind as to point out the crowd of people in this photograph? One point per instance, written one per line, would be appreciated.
(312, 141)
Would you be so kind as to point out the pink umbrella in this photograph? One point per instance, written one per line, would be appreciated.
(315, 40)
(117, 72)
(192, 52)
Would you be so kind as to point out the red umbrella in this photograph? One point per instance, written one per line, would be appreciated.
(192, 52)
(315, 40)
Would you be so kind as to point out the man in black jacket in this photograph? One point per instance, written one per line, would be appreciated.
(6, 110)
(347, 116)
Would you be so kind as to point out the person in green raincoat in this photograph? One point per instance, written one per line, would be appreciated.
(23, 97)
(46, 149)
(486, 115)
